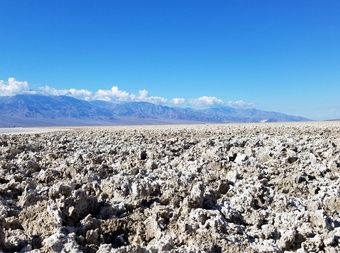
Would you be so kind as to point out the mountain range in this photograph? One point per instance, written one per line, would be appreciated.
(38, 110)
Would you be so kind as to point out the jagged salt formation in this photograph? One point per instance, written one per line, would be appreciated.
(207, 188)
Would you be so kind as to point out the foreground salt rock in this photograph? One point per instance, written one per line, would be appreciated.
(195, 188)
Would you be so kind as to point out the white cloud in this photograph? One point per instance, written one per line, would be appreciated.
(80, 94)
(206, 101)
(178, 101)
(156, 100)
(115, 94)
(46, 90)
(240, 104)
(144, 96)
(13, 87)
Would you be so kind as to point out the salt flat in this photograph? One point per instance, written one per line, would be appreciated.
(267, 187)
(29, 130)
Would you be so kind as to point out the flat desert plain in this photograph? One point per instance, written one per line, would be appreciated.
(176, 188)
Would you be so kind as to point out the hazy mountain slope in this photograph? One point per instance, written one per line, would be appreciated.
(145, 110)
(216, 114)
(37, 110)
(229, 114)
(37, 106)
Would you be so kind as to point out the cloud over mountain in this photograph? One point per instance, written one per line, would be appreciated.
(240, 104)
(206, 101)
(111, 95)
(178, 101)
(13, 87)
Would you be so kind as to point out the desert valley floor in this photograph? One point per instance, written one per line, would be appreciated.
(269, 187)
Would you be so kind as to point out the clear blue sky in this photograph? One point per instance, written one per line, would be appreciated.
(278, 55)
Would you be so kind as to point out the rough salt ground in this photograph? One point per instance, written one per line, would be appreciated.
(212, 188)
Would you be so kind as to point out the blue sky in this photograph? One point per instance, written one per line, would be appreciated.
(273, 55)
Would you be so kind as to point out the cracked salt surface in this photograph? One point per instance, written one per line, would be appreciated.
(189, 188)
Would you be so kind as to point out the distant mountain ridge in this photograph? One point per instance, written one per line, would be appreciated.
(38, 106)
(38, 110)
